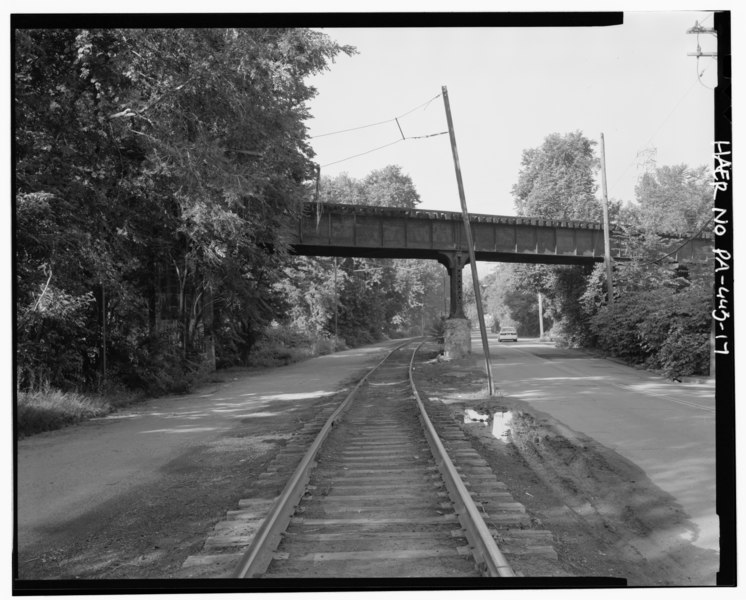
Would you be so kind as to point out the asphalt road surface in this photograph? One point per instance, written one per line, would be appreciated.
(665, 428)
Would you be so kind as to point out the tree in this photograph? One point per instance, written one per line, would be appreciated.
(163, 163)
(659, 319)
(341, 189)
(556, 180)
(673, 200)
(661, 314)
(374, 298)
(508, 298)
(390, 187)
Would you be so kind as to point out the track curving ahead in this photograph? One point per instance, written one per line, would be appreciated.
(375, 496)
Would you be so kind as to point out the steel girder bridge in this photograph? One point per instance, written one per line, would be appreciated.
(347, 230)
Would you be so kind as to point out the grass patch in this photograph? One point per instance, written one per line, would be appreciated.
(49, 409)
(284, 345)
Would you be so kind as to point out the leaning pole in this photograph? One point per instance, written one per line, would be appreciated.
(470, 244)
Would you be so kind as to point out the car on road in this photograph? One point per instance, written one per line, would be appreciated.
(507, 333)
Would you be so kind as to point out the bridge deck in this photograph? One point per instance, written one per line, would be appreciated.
(378, 232)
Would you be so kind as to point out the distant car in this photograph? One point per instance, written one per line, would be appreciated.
(507, 333)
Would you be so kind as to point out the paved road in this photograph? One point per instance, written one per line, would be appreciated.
(67, 473)
(665, 428)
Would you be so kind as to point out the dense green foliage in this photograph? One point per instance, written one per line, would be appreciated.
(658, 319)
(153, 172)
(660, 316)
(507, 301)
(557, 181)
(355, 300)
(672, 200)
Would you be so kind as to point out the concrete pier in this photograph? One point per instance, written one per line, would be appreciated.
(457, 338)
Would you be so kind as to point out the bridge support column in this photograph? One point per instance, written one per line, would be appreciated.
(457, 336)
(456, 277)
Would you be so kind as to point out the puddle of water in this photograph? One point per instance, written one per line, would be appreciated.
(502, 424)
(472, 416)
(499, 423)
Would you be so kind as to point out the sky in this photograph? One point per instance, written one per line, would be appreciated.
(509, 88)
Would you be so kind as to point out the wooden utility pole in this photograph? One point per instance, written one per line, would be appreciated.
(318, 180)
(336, 304)
(607, 242)
(103, 337)
(541, 319)
(470, 244)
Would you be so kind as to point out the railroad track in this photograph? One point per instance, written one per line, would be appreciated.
(375, 495)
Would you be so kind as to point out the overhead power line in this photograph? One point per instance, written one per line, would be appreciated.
(700, 230)
(422, 137)
(363, 153)
(657, 130)
(699, 76)
(402, 139)
(425, 104)
(352, 129)
(707, 18)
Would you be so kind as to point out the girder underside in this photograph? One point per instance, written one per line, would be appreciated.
(375, 232)
(439, 254)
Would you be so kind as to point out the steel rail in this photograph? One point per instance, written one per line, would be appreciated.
(259, 554)
(486, 552)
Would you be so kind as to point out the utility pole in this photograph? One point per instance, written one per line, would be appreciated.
(470, 243)
(103, 336)
(607, 242)
(697, 29)
(541, 319)
(336, 303)
(318, 180)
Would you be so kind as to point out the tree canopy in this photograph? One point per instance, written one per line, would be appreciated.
(153, 171)
(389, 187)
(373, 298)
(659, 316)
(557, 179)
(673, 199)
